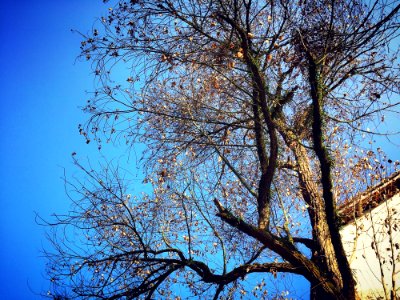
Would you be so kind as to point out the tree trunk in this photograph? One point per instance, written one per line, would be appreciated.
(323, 254)
(318, 293)
(327, 210)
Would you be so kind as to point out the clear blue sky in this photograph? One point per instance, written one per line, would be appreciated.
(41, 87)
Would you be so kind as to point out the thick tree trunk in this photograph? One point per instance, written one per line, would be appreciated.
(318, 293)
(329, 203)
(323, 254)
(287, 251)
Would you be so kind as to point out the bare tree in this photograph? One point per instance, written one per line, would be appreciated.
(252, 113)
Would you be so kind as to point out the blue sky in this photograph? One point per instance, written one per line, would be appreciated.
(41, 87)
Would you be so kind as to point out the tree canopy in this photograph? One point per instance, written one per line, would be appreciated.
(253, 115)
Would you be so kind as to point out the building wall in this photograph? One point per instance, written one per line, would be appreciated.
(372, 245)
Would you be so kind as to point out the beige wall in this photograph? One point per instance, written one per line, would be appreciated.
(358, 238)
